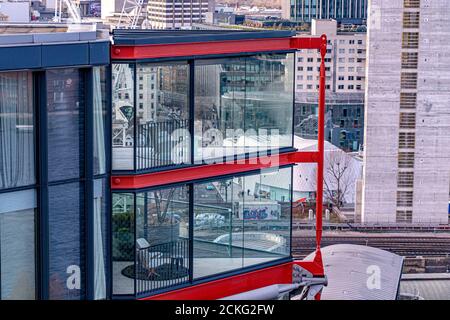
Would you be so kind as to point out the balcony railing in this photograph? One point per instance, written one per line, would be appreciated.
(162, 144)
(161, 266)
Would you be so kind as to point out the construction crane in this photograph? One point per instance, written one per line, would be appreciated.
(73, 9)
(129, 17)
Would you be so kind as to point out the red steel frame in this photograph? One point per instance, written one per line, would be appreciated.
(251, 280)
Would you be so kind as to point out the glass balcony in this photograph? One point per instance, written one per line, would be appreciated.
(178, 234)
(201, 111)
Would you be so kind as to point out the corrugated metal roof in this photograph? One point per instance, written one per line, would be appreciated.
(354, 272)
(436, 289)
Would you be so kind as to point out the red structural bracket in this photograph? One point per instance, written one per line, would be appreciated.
(228, 286)
(172, 50)
(210, 170)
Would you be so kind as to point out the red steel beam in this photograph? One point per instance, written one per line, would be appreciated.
(172, 50)
(228, 286)
(321, 146)
(210, 170)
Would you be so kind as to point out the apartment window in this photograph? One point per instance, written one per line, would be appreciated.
(300, 68)
(351, 78)
(351, 51)
(411, 3)
(360, 42)
(411, 19)
(358, 87)
(309, 77)
(404, 216)
(310, 59)
(341, 60)
(65, 124)
(243, 113)
(405, 179)
(409, 60)
(406, 159)
(341, 87)
(351, 69)
(300, 59)
(341, 78)
(408, 100)
(309, 86)
(351, 87)
(18, 245)
(299, 87)
(163, 139)
(309, 69)
(404, 198)
(408, 80)
(351, 60)
(407, 140)
(410, 40)
(342, 50)
(351, 42)
(16, 130)
(341, 69)
(407, 120)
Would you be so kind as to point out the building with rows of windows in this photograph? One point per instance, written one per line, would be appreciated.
(149, 166)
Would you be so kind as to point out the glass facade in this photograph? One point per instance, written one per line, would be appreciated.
(243, 105)
(17, 245)
(17, 164)
(234, 106)
(227, 224)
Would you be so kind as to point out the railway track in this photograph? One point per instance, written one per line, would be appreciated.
(404, 246)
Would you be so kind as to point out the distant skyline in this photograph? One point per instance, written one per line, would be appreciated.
(259, 3)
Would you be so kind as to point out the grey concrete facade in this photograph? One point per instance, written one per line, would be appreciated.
(386, 197)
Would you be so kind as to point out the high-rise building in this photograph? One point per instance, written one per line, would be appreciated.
(181, 14)
(407, 119)
(345, 63)
(347, 11)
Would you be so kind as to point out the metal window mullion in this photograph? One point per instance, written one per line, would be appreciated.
(191, 232)
(87, 74)
(191, 109)
(40, 87)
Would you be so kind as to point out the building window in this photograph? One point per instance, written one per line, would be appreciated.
(16, 130)
(410, 60)
(231, 117)
(18, 245)
(123, 118)
(411, 19)
(406, 159)
(65, 124)
(404, 216)
(407, 120)
(404, 198)
(100, 119)
(407, 140)
(405, 179)
(411, 3)
(408, 100)
(410, 40)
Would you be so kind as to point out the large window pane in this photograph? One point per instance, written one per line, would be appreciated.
(123, 249)
(162, 238)
(241, 221)
(100, 239)
(16, 130)
(99, 93)
(216, 206)
(162, 111)
(65, 107)
(243, 105)
(123, 116)
(66, 221)
(17, 245)
(267, 216)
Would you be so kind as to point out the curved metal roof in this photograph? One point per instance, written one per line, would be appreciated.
(357, 272)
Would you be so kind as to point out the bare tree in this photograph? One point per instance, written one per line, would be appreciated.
(339, 176)
(161, 210)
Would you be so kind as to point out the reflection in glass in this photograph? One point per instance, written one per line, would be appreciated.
(241, 221)
(100, 239)
(123, 243)
(243, 105)
(162, 110)
(266, 216)
(123, 116)
(66, 231)
(99, 106)
(16, 130)
(65, 123)
(17, 245)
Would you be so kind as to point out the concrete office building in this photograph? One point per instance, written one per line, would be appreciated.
(166, 14)
(407, 119)
(345, 64)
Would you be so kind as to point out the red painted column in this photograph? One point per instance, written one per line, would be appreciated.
(320, 142)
